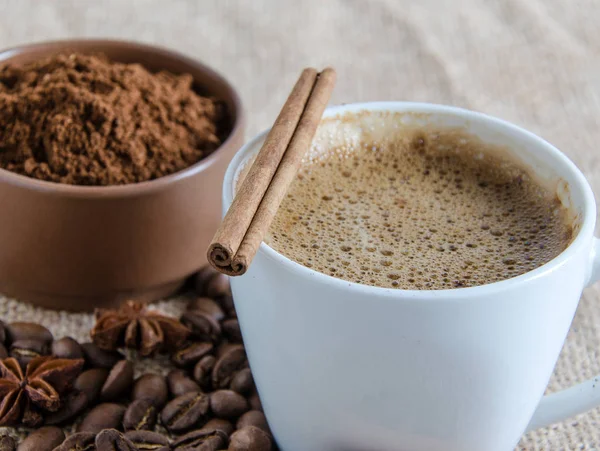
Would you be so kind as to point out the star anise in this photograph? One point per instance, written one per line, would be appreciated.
(23, 396)
(134, 326)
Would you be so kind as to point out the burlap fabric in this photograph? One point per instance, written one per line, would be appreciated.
(533, 62)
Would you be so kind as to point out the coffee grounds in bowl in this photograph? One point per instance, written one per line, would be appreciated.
(85, 120)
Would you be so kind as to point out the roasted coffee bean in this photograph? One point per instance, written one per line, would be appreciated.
(203, 326)
(74, 403)
(191, 353)
(2, 338)
(185, 412)
(242, 382)
(179, 383)
(152, 387)
(27, 331)
(250, 438)
(36, 347)
(227, 404)
(90, 382)
(3, 352)
(253, 418)
(254, 402)
(119, 380)
(113, 440)
(208, 306)
(99, 358)
(226, 367)
(27, 350)
(81, 441)
(228, 305)
(220, 424)
(44, 439)
(224, 347)
(203, 371)
(7, 443)
(217, 285)
(140, 415)
(103, 416)
(202, 277)
(201, 440)
(231, 327)
(67, 348)
(148, 440)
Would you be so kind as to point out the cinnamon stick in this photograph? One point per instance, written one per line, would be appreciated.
(248, 219)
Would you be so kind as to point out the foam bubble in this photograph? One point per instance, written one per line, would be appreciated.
(434, 209)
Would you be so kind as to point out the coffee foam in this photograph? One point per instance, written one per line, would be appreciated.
(431, 208)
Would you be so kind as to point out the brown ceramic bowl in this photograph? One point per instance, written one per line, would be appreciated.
(76, 248)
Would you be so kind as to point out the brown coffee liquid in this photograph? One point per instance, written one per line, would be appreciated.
(435, 209)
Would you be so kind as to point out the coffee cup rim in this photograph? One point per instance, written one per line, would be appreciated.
(583, 236)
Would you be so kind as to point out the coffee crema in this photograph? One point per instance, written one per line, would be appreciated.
(431, 208)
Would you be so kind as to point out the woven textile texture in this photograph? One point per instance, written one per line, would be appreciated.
(533, 62)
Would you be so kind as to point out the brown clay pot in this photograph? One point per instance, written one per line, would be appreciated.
(76, 248)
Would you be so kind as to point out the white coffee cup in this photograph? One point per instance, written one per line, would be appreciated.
(341, 366)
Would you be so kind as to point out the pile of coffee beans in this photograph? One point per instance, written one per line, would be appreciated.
(207, 401)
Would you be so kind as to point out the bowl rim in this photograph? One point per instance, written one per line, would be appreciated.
(130, 189)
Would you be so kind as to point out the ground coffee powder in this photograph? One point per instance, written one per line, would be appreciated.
(84, 120)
